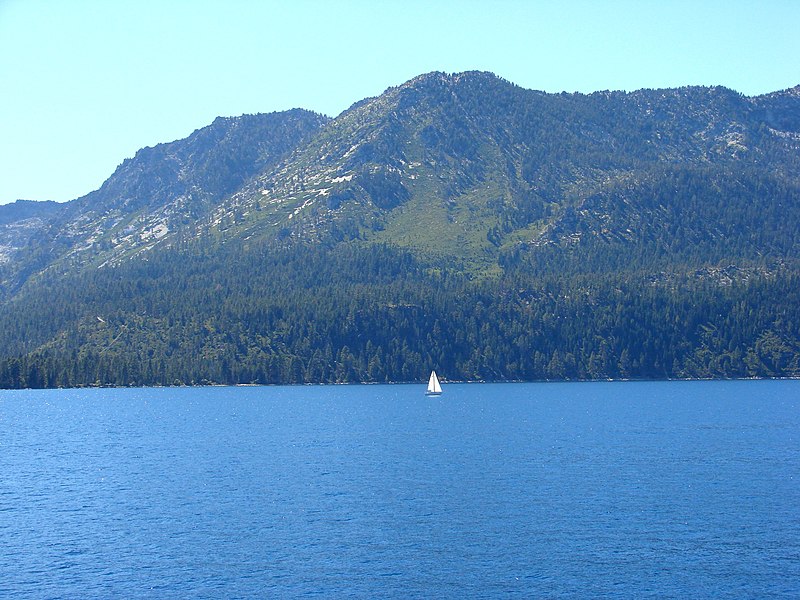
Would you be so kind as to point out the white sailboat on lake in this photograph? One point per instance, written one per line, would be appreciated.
(434, 388)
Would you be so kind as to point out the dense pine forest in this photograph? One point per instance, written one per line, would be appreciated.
(375, 314)
(456, 223)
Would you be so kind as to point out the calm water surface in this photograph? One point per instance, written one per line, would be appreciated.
(489, 491)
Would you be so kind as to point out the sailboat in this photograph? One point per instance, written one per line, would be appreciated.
(434, 389)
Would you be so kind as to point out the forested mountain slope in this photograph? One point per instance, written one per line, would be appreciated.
(456, 222)
(160, 191)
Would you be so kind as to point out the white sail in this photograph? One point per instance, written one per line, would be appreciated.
(433, 385)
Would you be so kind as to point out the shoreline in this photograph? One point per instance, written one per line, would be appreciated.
(445, 382)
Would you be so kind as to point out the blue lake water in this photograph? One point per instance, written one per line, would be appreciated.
(672, 489)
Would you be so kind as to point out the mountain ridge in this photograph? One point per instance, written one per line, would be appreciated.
(367, 154)
(168, 183)
(467, 183)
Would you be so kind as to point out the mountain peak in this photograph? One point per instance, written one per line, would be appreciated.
(442, 78)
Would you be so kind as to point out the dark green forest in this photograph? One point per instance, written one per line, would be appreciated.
(364, 313)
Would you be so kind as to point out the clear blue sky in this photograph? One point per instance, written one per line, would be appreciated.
(86, 83)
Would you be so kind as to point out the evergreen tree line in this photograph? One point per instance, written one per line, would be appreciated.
(358, 313)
